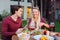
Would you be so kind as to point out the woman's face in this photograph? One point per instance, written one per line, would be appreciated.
(19, 12)
(35, 13)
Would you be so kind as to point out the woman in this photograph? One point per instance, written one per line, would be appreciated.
(11, 23)
(36, 21)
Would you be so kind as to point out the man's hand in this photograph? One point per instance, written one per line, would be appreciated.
(19, 30)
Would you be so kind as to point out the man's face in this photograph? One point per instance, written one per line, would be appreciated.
(19, 12)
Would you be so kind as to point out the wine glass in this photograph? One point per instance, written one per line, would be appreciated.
(52, 26)
(31, 27)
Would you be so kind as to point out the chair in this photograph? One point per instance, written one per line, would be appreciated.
(14, 37)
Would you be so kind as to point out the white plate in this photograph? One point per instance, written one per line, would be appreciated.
(26, 37)
(37, 37)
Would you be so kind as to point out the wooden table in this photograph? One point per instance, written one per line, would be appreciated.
(14, 37)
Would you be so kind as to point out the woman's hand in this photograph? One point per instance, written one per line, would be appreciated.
(19, 30)
(46, 25)
(41, 24)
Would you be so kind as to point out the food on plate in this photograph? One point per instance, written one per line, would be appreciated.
(23, 34)
(38, 32)
(43, 38)
(25, 31)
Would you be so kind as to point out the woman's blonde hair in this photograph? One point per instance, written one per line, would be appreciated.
(38, 21)
(37, 9)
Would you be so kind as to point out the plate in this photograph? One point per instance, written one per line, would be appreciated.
(53, 33)
(23, 36)
(37, 37)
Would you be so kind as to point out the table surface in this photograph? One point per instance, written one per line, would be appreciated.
(15, 37)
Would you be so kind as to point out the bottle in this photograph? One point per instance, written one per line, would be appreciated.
(52, 26)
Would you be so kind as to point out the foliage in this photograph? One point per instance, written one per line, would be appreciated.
(57, 26)
(5, 14)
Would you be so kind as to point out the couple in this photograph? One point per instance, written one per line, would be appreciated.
(12, 23)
